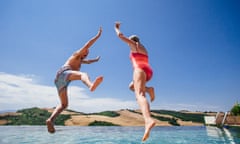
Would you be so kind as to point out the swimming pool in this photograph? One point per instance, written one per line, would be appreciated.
(116, 135)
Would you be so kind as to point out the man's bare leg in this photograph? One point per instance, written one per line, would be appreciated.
(57, 111)
(50, 126)
(96, 83)
(76, 75)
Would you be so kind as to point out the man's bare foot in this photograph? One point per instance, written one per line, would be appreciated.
(148, 128)
(50, 126)
(96, 83)
(151, 93)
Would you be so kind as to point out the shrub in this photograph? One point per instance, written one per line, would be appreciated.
(108, 113)
(101, 123)
(236, 110)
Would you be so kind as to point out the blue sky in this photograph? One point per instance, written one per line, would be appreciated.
(194, 49)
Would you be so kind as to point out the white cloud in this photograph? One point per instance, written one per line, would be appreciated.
(22, 91)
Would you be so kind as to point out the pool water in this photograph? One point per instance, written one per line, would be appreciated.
(116, 135)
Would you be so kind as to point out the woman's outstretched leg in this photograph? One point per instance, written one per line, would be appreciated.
(149, 90)
(149, 122)
(139, 87)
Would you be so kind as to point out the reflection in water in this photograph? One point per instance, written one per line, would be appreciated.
(228, 135)
(224, 134)
(214, 131)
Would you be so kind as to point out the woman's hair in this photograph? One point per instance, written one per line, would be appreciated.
(134, 38)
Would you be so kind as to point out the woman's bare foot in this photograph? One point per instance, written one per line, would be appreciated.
(50, 126)
(96, 83)
(151, 93)
(148, 128)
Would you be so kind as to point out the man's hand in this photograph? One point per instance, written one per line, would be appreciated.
(100, 30)
(97, 58)
(117, 24)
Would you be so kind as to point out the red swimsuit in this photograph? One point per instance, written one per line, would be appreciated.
(140, 60)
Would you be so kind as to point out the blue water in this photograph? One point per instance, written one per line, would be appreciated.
(116, 135)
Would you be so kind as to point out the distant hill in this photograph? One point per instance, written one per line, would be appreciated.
(37, 116)
(6, 111)
(31, 116)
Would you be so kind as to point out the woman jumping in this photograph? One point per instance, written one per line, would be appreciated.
(142, 73)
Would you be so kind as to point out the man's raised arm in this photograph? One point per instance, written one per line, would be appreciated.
(93, 40)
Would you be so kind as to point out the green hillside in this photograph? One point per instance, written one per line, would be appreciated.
(183, 116)
(33, 116)
(37, 116)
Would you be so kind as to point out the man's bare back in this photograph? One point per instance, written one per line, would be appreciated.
(76, 60)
